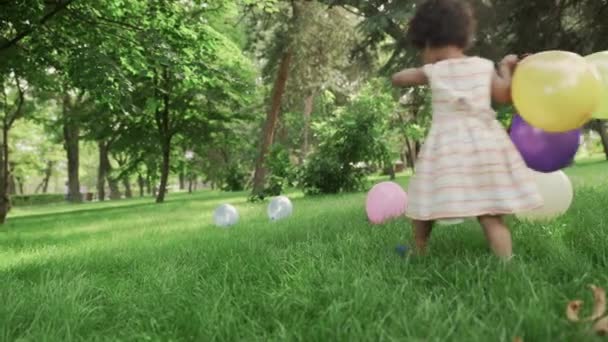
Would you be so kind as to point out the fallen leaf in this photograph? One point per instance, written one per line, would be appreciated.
(599, 297)
(601, 327)
(573, 309)
(518, 339)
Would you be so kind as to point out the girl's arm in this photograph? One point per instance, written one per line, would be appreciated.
(501, 82)
(410, 77)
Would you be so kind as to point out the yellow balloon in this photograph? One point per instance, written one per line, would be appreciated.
(600, 61)
(557, 193)
(556, 91)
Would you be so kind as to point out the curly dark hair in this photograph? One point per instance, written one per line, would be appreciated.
(440, 23)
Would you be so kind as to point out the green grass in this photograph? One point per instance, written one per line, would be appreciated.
(136, 271)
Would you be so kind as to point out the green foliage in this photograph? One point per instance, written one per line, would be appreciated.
(356, 135)
(504, 114)
(234, 178)
(32, 200)
(281, 171)
(32, 150)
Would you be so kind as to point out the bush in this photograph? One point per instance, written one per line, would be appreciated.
(280, 171)
(28, 200)
(234, 178)
(325, 174)
(354, 137)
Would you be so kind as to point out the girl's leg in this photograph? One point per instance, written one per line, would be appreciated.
(498, 236)
(422, 233)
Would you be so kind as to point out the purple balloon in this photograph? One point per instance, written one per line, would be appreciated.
(543, 151)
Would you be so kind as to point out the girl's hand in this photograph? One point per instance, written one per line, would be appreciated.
(510, 61)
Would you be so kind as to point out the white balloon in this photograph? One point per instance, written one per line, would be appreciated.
(280, 208)
(557, 192)
(225, 216)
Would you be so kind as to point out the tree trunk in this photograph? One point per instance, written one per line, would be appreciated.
(148, 185)
(141, 182)
(20, 185)
(391, 170)
(191, 184)
(12, 184)
(5, 201)
(112, 182)
(114, 189)
(164, 129)
(126, 182)
(71, 132)
(182, 181)
(164, 171)
(308, 107)
(603, 132)
(411, 153)
(47, 176)
(259, 177)
(103, 170)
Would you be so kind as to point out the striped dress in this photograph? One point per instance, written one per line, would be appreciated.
(468, 166)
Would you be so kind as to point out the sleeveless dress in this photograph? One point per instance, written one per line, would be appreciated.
(468, 166)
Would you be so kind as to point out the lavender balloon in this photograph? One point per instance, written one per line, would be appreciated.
(543, 151)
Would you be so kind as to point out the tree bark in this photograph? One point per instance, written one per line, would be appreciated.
(47, 176)
(104, 160)
(141, 182)
(20, 185)
(191, 181)
(164, 172)
(603, 132)
(182, 181)
(259, 177)
(164, 129)
(308, 108)
(126, 182)
(8, 120)
(411, 152)
(71, 132)
(5, 201)
(391, 170)
(12, 184)
(114, 189)
(103, 170)
(149, 184)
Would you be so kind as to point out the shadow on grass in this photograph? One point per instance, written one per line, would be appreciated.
(115, 208)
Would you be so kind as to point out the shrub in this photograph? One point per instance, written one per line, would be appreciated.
(354, 137)
(234, 178)
(280, 171)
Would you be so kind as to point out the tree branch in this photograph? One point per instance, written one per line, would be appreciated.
(60, 7)
(21, 99)
(120, 23)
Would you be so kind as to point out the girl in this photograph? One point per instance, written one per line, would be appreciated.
(468, 166)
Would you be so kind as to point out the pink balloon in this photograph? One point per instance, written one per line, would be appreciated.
(385, 201)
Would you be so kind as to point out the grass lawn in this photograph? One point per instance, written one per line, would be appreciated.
(132, 271)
